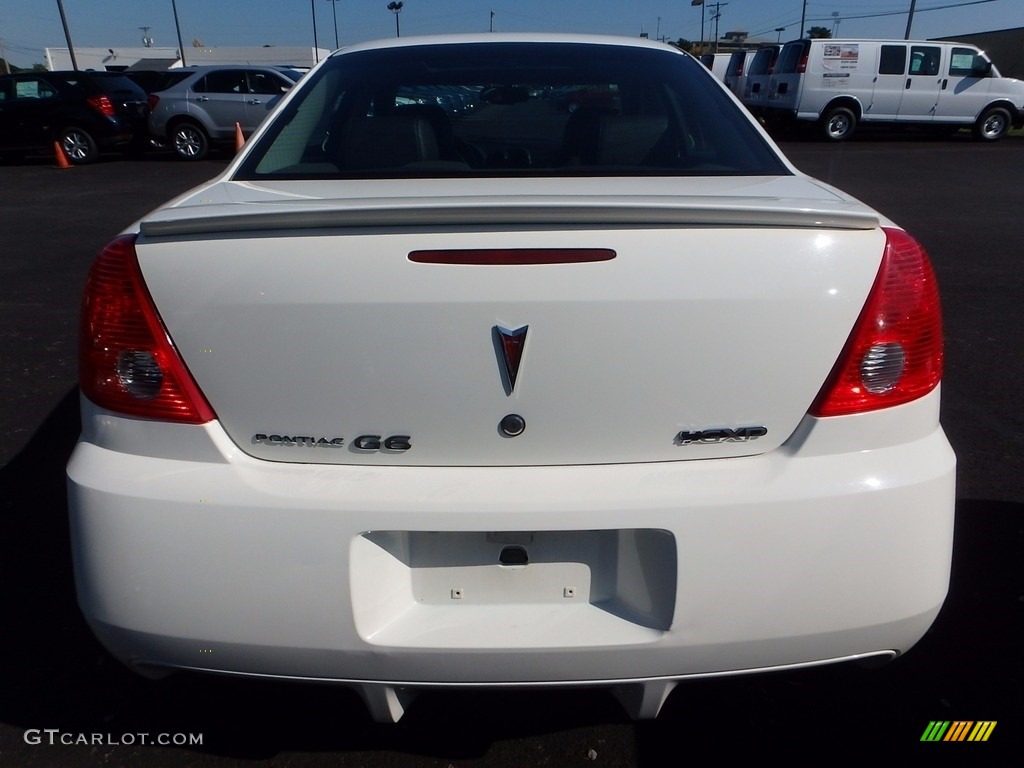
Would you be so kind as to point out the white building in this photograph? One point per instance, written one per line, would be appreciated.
(120, 59)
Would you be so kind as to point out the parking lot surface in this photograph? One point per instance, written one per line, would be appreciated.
(60, 691)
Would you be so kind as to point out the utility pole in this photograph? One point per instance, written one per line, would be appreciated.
(910, 19)
(715, 18)
(803, 20)
(491, 27)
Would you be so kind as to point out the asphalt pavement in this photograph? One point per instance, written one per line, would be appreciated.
(64, 702)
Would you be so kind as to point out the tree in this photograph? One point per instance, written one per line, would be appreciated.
(686, 45)
(819, 32)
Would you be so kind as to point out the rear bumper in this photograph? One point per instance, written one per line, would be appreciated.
(391, 575)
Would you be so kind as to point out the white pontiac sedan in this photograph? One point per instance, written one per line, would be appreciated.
(510, 361)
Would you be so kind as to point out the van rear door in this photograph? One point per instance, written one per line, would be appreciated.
(785, 85)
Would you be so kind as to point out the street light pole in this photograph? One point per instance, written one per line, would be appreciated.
(396, 8)
(67, 34)
(701, 4)
(177, 28)
(334, 10)
(316, 43)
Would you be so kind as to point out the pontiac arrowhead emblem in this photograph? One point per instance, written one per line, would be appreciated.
(511, 343)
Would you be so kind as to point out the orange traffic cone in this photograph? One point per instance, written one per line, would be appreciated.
(239, 138)
(62, 159)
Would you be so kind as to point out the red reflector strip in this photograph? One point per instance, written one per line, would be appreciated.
(513, 256)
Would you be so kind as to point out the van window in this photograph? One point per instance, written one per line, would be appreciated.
(789, 59)
(736, 63)
(893, 60)
(924, 60)
(961, 63)
(763, 60)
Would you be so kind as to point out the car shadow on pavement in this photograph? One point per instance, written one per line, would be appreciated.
(55, 675)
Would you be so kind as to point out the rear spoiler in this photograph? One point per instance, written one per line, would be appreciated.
(593, 212)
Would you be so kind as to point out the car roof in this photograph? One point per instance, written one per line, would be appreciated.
(506, 37)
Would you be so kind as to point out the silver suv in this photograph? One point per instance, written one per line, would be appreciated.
(204, 107)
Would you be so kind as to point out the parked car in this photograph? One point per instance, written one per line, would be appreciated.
(945, 85)
(85, 112)
(204, 108)
(613, 398)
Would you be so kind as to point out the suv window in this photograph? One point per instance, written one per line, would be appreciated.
(33, 89)
(222, 81)
(266, 83)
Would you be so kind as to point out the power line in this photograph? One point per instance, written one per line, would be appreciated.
(879, 14)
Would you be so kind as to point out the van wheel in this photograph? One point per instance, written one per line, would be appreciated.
(838, 123)
(993, 124)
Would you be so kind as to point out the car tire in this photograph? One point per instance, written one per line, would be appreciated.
(190, 141)
(78, 146)
(839, 123)
(993, 124)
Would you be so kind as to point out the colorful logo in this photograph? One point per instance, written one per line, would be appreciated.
(958, 730)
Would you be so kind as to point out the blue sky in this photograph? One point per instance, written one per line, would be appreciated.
(28, 26)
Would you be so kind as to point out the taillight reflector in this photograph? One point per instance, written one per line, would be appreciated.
(127, 362)
(894, 354)
(103, 105)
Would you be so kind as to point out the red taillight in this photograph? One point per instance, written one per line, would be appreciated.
(802, 66)
(152, 101)
(103, 105)
(894, 354)
(127, 362)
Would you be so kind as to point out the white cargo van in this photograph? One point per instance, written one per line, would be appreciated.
(839, 83)
(755, 89)
(736, 70)
(716, 62)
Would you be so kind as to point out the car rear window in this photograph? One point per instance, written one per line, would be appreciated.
(510, 109)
